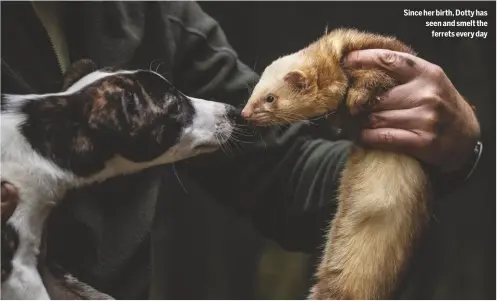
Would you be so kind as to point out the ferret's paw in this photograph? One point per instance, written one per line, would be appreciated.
(358, 100)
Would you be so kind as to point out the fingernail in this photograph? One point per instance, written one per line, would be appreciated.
(377, 100)
(389, 57)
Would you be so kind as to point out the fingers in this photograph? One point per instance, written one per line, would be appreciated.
(407, 119)
(407, 96)
(398, 98)
(9, 200)
(402, 66)
(396, 140)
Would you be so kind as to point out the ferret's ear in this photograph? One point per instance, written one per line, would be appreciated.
(76, 71)
(297, 79)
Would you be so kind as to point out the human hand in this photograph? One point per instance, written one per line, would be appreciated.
(10, 197)
(425, 116)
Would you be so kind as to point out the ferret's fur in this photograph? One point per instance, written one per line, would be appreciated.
(382, 197)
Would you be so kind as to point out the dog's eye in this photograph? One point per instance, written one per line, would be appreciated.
(270, 98)
(130, 101)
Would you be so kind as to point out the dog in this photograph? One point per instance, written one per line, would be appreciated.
(106, 122)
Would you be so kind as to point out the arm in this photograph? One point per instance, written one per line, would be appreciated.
(285, 184)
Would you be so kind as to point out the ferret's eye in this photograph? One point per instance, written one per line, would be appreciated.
(270, 98)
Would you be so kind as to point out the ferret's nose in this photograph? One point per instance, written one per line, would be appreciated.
(246, 113)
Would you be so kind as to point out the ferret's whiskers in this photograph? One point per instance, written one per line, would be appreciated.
(302, 117)
(324, 116)
(262, 140)
(249, 89)
(255, 62)
(291, 117)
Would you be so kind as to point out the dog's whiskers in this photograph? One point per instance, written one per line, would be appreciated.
(158, 66)
(177, 177)
(151, 64)
(221, 145)
(239, 132)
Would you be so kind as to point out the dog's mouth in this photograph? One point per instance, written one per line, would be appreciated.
(222, 134)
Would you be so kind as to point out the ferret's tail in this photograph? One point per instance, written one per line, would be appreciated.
(382, 208)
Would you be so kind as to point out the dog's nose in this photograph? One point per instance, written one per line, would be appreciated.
(235, 114)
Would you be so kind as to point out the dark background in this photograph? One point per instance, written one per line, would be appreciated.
(457, 259)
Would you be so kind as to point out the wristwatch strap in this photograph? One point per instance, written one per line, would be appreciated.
(443, 183)
(478, 150)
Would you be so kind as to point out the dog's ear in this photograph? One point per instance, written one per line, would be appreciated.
(76, 71)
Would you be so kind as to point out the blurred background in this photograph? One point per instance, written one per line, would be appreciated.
(457, 260)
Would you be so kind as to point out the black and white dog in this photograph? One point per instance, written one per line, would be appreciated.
(105, 123)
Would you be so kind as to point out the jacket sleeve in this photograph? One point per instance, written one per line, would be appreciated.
(284, 181)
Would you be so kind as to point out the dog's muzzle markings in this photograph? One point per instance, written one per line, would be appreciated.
(104, 124)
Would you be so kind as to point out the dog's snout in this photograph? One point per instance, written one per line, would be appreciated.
(235, 114)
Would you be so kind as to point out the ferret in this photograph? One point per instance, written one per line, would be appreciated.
(383, 196)
(106, 122)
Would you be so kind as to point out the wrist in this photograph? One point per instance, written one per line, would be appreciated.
(444, 182)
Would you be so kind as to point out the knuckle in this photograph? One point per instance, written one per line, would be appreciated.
(428, 140)
(431, 119)
(387, 137)
(389, 58)
(436, 71)
(433, 101)
(437, 102)
(430, 97)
